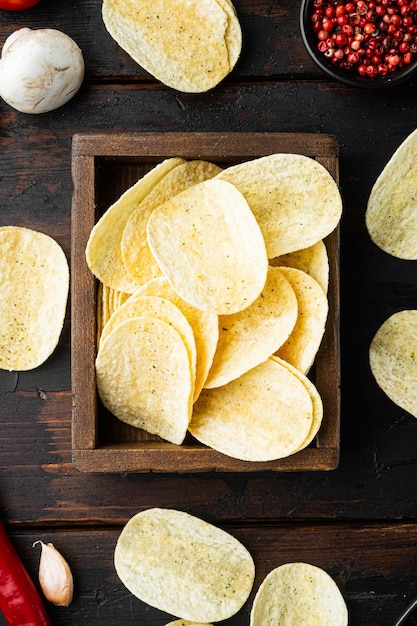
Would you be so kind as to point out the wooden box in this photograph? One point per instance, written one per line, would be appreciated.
(105, 165)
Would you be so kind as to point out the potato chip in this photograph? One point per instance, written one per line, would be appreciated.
(144, 378)
(298, 594)
(263, 415)
(209, 246)
(393, 359)
(302, 345)
(251, 336)
(294, 198)
(315, 398)
(103, 253)
(205, 326)
(183, 565)
(34, 283)
(155, 306)
(137, 257)
(313, 260)
(190, 50)
(391, 213)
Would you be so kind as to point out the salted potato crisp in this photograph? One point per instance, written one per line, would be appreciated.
(391, 213)
(205, 326)
(183, 565)
(137, 257)
(302, 345)
(294, 198)
(190, 47)
(209, 246)
(154, 306)
(34, 282)
(315, 399)
(264, 415)
(103, 250)
(313, 260)
(251, 336)
(392, 358)
(301, 594)
(144, 377)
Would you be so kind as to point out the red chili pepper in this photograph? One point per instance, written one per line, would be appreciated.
(20, 601)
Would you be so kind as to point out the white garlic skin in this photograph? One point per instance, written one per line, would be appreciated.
(40, 69)
(55, 576)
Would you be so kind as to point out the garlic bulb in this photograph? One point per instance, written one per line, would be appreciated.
(55, 576)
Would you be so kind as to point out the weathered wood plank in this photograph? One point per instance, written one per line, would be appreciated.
(375, 589)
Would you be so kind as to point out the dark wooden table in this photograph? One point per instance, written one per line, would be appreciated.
(358, 522)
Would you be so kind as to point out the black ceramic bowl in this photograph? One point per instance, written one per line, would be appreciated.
(351, 78)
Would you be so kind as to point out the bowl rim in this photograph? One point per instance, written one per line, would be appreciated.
(340, 74)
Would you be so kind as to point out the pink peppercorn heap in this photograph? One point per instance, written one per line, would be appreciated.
(369, 38)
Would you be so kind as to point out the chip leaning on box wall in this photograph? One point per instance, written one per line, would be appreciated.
(218, 333)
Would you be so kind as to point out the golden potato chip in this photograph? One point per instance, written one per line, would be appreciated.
(190, 50)
(298, 594)
(103, 252)
(391, 213)
(34, 283)
(315, 398)
(294, 198)
(144, 378)
(205, 326)
(137, 257)
(263, 415)
(393, 359)
(209, 246)
(251, 336)
(302, 345)
(313, 260)
(155, 306)
(184, 566)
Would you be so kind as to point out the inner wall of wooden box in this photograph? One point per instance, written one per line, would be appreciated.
(113, 177)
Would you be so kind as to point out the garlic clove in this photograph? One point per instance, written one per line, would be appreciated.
(55, 575)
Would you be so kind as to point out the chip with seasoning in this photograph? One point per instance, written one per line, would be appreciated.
(393, 359)
(313, 260)
(153, 306)
(294, 198)
(190, 50)
(144, 377)
(34, 283)
(302, 345)
(391, 213)
(103, 251)
(298, 594)
(137, 257)
(264, 415)
(205, 326)
(183, 565)
(209, 246)
(251, 336)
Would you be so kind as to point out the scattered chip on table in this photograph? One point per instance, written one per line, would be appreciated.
(183, 565)
(34, 283)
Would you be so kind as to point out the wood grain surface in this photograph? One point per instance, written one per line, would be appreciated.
(358, 521)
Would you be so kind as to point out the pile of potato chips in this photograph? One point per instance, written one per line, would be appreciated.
(189, 46)
(34, 283)
(199, 573)
(212, 302)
